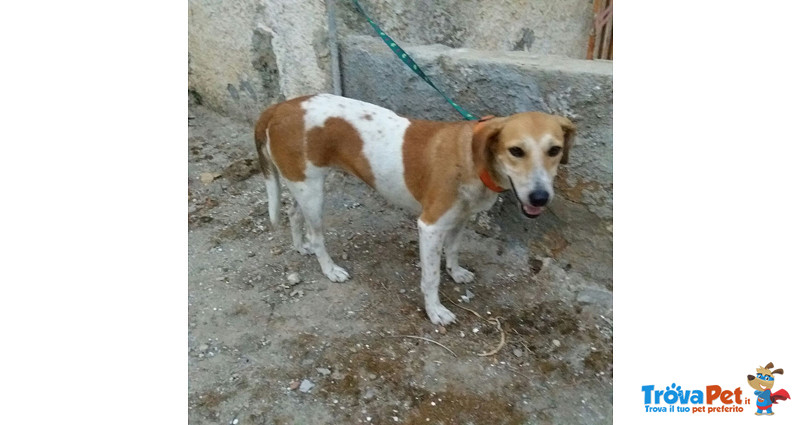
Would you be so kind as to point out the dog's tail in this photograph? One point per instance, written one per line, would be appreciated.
(268, 167)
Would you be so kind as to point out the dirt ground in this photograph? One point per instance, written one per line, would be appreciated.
(263, 319)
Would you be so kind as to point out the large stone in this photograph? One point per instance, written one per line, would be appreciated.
(537, 26)
(245, 55)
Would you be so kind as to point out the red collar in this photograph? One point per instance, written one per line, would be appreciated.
(484, 173)
(489, 182)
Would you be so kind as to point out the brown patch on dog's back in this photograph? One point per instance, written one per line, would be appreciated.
(337, 143)
(284, 122)
(415, 161)
(434, 164)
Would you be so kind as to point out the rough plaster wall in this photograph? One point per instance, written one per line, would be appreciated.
(552, 27)
(247, 54)
(301, 46)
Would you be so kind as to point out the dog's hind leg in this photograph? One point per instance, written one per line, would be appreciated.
(310, 199)
(452, 242)
(296, 221)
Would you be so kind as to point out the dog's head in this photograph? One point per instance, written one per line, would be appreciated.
(764, 379)
(522, 152)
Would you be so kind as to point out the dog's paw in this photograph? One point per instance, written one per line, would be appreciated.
(461, 275)
(304, 248)
(439, 314)
(337, 274)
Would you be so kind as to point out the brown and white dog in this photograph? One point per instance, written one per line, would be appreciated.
(442, 171)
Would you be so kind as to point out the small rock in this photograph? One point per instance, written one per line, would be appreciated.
(372, 376)
(293, 278)
(557, 343)
(345, 257)
(207, 178)
(369, 395)
(202, 347)
(518, 352)
(306, 386)
(294, 385)
(442, 330)
(324, 371)
(276, 251)
(402, 291)
(595, 296)
(338, 376)
(250, 254)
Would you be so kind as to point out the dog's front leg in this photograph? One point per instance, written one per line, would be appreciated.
(452, 243)
(431, 239)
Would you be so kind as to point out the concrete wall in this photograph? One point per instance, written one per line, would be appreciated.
(247, 54)
(546, 27)
(578, 228)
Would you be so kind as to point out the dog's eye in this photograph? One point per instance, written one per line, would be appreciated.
(760, 376)
(555, 150)
(516, 151)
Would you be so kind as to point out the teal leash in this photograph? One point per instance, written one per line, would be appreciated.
(410, 62)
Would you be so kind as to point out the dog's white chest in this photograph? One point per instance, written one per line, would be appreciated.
(381, 132)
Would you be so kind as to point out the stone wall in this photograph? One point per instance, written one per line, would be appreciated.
(247, 54)
(543, 27)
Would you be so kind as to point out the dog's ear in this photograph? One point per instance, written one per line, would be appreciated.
(569, 130)
(778, 371)
(768, 366)
(484, 139)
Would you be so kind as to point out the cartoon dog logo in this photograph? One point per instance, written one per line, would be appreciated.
(763, 382)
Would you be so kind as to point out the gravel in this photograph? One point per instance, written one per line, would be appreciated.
(306, 386)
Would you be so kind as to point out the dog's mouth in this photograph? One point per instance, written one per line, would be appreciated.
(529, 211)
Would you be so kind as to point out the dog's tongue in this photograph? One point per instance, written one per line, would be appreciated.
(529, 209)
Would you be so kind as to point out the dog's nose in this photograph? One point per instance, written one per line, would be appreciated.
(539, 198)
(750, 377)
